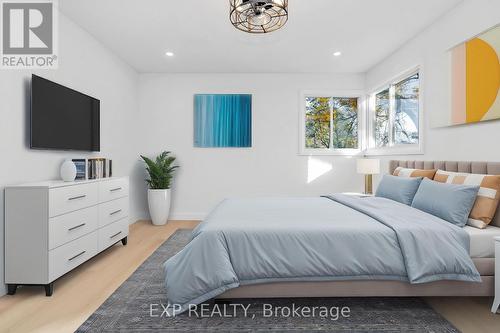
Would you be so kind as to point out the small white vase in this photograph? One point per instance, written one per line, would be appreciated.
(159, 206)
(68, 171)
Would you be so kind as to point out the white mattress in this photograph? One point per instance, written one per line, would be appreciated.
(482, 244)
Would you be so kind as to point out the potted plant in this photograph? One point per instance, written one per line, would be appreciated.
(161, 172)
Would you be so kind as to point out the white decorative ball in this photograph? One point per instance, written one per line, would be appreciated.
(68, 171)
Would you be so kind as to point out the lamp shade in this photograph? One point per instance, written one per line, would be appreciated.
(368, 166)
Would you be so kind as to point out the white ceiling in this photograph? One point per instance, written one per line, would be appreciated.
(203, 40)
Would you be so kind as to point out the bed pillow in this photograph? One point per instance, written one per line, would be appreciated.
(487, 199)
(398, 188)
(450, 202)
(405, 172)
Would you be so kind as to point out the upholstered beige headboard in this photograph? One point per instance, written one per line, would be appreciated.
(487, 168)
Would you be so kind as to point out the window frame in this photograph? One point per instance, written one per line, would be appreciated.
(360, 95)
(395, 149)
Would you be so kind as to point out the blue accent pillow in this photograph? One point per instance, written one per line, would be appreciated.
(451, 202)
(400, 189)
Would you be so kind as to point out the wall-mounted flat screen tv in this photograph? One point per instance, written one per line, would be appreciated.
(63, 118)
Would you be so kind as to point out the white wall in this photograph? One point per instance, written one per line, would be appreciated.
(271, 167)
(84, 65)
(429, 49)
(153, 112)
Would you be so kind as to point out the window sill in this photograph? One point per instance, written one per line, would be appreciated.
(329, 152)
(396, 150)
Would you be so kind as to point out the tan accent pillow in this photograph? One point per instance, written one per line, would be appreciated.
(405, 172)
(487, 198)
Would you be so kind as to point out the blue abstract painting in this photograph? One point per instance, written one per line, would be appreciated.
(222, 120)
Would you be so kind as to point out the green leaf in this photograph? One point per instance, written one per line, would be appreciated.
(160, 170)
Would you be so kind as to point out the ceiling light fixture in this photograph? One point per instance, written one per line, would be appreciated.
(258, 16)
(169, 54)
(337, 54)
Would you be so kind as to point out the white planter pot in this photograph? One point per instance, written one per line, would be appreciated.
(159, 206)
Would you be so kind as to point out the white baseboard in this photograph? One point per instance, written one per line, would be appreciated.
(173, 216)
(187, 216)
(139, 217)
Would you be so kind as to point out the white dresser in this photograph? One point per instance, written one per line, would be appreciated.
(52, 227)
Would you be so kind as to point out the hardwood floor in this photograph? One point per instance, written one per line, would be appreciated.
(78, 294)
(468, 314)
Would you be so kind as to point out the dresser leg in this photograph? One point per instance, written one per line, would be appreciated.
(124, 240)
(11, 289)
(496, 304)
(49, 289)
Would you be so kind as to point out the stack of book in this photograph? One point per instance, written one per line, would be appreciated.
(93, 168)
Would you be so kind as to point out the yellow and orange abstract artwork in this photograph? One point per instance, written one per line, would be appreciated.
(476, 79)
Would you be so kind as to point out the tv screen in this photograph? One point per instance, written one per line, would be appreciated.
(62, 118)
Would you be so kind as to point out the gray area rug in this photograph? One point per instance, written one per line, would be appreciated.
(136, 306)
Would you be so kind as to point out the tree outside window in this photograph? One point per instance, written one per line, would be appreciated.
(396, 114)
(331, 123)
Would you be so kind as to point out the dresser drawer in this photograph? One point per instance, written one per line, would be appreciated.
(113, 189)
(112, 233)
(112, 211)
(70, 198)
(70, 226)
(68, 256)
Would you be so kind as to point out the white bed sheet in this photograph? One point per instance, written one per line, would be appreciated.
(482, 243)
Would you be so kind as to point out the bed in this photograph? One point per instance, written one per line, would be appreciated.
(333, 246)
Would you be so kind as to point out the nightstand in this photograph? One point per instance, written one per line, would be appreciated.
(496, 302)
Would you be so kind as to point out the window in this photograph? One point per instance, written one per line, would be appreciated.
(406, 95)
(382, 118)
(330, 124)
(396, 116)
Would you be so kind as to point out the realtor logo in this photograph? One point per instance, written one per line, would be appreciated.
(28, 34)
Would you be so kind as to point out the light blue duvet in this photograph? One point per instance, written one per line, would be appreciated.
(249, 241)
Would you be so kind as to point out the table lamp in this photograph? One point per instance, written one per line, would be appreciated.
(368, 167)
